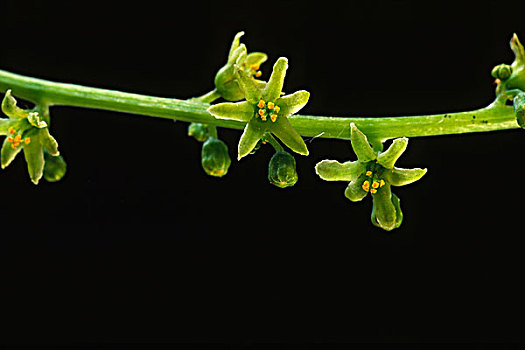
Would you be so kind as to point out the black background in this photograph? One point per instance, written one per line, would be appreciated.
(136, 243)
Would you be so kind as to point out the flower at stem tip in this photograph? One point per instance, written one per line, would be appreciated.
(27, 130)
(373, 173)
(265, 110)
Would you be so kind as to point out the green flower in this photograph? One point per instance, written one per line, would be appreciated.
(26, 130)
(375, 174)
(281, 170)
(226, 80)
(265, 110)
(511, 77)
(215, 159)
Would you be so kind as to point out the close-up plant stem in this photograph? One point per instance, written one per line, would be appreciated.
(496, 116)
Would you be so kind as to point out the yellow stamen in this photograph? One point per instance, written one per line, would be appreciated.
(254, 66)
(260, 104)
(277, 109)
(263, 117)
(243, 64)
(9, 139)
(368, 173)
(381, 183)
(375, 184)
(14, 145)
(271, 105)
(27, 140)
(373, 190)
(273, 117)
(258, 74)
(261, 112)
(11, 130)
(366, 186)
(18, 138)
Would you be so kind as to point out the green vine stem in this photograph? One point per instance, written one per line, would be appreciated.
(496, 116)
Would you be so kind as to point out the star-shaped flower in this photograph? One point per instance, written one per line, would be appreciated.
(265, 110)
(26, 130)
(373, 173)
(226, 80)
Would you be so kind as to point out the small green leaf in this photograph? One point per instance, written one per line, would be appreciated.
(360, 145)
(332, 170)
(275, 84)
(241, 111)
(354, 191)
(34, 155)
(287, 134)
(401, 177)
(251, 135)
(291, 104)
(389, 157)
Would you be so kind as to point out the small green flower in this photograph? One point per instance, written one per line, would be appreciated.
(281, 170)
(373, 173)
(215, 159)
(265, 110)
(198, 131)
(511, 77)
(27, 130)
(226, 80)
(54, 168)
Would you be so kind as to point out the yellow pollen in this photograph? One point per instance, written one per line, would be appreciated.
(258, 74)
(263, 117)
(18, 138)
(375, 184)
(27, 140)
(14, 145)
(11, 130)
(373, 190)
(261, 112)
(9, 139)
(381, 183)
(260, 104)
(368, 173)
(243, 64)
(366, 186)
(254, 66)
(277, 109)
(271, 105)
(273, 117)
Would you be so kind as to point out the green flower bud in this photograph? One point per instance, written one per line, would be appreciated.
(215, 158)
(54, 167)
(281, 170)
(198, 131)
(502, 71)
(398, 213)
(519, 109)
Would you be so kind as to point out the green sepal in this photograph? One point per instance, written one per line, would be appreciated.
(34, 155)
(384, 209)
(241, 111)
(287, 134)
(332, 170)
(251, 90)
(517, 48)
(49, 142)
(215, 159)
(519, 109)
(401, 177)
(7, 154)
(275, 84)
(256, 58)
(291, 104)
(253, 131)
(235, 44)
(4, 126)
(398, 213)
(198, 131)
(10, 108)
(54, 167)
(354, 191)
(389, 157)
(360, 145)
(239, 55)
(282, 170)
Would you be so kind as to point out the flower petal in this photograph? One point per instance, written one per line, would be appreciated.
(10, 108)
(253, 132)
(49, 142)
(235, 44)
(252, 91)
(34, 154)
(291, 104)
(256, 58)
(238, 55)
(360, 145)
(401, 177)
(241, 111)
(518, 50)
(389, 157)
(7, 154)
(354, 191)
(383, 209)
(276, 81)
(4, 126)
(287, 134)
(332, 170)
